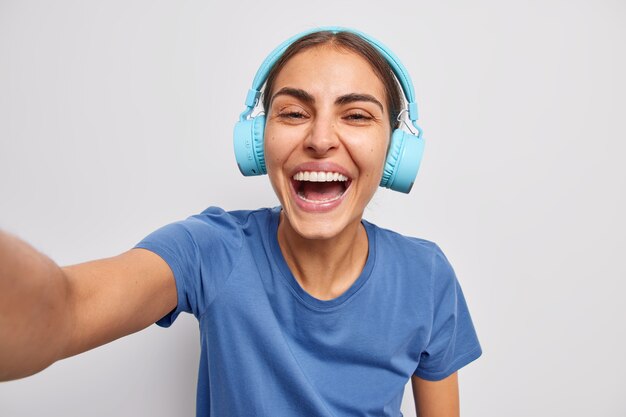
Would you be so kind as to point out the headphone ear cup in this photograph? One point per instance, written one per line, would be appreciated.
(248, 144)
(403, 161)
(258, 142)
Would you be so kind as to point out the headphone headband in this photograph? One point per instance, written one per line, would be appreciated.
(398, 69)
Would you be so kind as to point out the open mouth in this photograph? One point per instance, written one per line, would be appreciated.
(320, 186)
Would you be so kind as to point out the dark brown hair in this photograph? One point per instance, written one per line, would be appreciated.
(350, 42)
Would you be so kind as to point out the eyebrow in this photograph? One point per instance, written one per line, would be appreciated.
(296, 93)
(354, 97)
(341, 100)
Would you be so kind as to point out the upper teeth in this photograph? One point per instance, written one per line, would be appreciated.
(319, 176)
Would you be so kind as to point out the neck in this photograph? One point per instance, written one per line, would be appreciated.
(325, 268)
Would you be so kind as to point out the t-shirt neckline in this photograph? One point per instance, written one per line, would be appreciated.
(297, 290)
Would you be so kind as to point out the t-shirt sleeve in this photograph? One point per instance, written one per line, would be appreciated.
(201, 253)
(453, 341)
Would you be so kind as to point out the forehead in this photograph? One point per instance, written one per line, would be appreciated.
(329, 70)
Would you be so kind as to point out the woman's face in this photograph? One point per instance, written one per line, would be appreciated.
(326, 137)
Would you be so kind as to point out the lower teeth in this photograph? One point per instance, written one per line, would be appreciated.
(320, 201)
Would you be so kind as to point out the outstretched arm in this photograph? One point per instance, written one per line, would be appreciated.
(49, 313)
(436, 398)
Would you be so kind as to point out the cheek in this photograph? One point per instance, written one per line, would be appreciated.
(279, 143)
(271, 151)
(272, 162)
(276, 154)
(372, 156)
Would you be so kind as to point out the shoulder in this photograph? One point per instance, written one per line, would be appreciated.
(218, 217)
(389, 240)
(226, 222)
(416, 257)
(213, 228)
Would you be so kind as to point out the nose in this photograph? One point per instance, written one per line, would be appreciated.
(323, 136)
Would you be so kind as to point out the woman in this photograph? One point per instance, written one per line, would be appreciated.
(304, 309)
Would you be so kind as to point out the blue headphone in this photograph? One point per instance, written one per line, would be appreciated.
(405, 150)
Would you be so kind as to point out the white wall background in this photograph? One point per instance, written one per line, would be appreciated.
(116, 118)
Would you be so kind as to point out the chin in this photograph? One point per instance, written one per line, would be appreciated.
(320, 225)
(316, 230)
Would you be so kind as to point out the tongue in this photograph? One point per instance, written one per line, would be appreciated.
(319, 191)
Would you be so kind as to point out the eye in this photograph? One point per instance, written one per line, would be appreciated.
(294, 115)
(357, 116)
(291, 115)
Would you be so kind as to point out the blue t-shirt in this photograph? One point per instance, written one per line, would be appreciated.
(271, 349)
